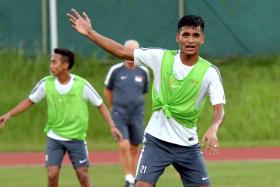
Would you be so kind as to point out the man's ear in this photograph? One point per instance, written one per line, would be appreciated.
(65, 65)
(202, 41)
(177, 37)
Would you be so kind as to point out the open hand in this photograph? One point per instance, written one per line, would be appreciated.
(210, 141)
(81, 24)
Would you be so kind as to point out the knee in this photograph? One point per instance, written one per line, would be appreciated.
(143, 184)
(124, 145)
(52, 175)
(134, 149)
(83, 176)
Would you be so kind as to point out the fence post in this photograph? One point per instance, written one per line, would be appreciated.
(53, 25)
(44, 25)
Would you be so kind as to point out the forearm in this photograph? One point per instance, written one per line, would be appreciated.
(108, 97)
(110, 45)
(21, 107)
(106, 115)
(218, 116)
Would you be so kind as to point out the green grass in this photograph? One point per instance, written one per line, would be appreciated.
(251, 87)
(233, 174)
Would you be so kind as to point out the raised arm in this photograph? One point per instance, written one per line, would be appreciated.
(82, 24)
(106, 115)
(21, 107)
(210, 138)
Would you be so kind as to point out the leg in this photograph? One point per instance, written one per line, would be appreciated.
(77, 151)
(191, 167)
(119, 116)
(125, 157)
(143, 184)
(53, 176)
(136, 131)
(155, 157)
(134, 152)
(54, 156)
(83, 176)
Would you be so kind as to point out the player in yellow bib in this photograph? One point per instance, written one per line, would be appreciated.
(67, 96)
(182, 81)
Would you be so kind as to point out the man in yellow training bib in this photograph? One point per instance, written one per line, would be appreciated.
(182, 80)
(67, 96)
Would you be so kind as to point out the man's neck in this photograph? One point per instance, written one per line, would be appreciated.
(189, 60)
(64, 78)
(129, 65)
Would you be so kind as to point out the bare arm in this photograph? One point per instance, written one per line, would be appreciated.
(108, 94)
(82, 24)
(210, 138)
(21, 107)
(106, 115)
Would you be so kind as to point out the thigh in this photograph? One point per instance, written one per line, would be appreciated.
(154, 158)
(136, 130)
(78, 153)
(190, 165)
(54, 153)
(120, 122)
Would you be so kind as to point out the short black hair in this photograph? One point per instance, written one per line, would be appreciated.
(67, 55)
(191, 20)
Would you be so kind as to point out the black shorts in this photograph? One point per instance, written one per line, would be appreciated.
(157, 155)
(76, 149)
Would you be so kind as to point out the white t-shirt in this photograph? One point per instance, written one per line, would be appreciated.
(39, 93)
(159, 125)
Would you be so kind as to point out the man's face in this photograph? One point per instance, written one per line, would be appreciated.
(57, 66)
(189, 39)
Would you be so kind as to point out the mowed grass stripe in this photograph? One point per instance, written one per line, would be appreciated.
(232, 174)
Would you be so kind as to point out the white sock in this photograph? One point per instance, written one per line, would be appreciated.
(129, 178)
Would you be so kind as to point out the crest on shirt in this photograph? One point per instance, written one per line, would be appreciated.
(138, 78)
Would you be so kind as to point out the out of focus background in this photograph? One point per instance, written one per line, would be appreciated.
(233, 28)
(242, 40)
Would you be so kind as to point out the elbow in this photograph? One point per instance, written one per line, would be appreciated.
(125, 53)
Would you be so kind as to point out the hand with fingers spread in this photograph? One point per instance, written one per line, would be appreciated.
(81, 24)
(210, 140)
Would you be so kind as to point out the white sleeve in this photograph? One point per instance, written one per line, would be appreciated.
(151, 58)
(216, 90)
(148, 57)
(39, 92)
(91, 95)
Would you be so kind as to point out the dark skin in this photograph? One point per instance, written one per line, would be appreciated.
(189, 39)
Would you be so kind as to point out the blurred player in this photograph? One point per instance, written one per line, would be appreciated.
(182, 80)
(125, 86)
(67, 96)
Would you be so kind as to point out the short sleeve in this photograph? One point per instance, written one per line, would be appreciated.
(91, 95)
(216, 90)
(110, 77)
(150, 57)
(147, 78)
(39, 92)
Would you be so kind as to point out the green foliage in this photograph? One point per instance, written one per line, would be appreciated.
(251, 87)
(233, 174)
(252, 93)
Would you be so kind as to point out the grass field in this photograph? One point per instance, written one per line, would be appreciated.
(230, 174)
(251, 87)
